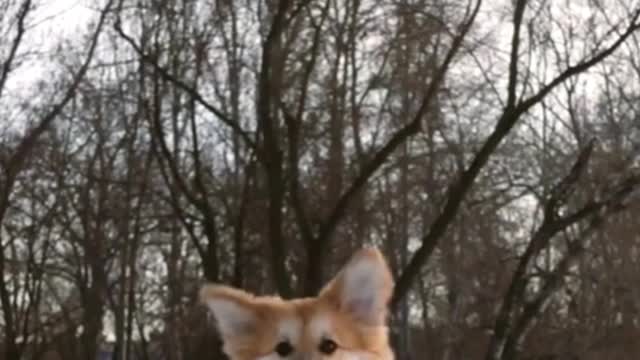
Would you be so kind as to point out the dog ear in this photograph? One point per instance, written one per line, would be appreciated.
(232, 309)
(363, 288)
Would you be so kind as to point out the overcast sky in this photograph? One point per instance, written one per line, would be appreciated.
(53, 21)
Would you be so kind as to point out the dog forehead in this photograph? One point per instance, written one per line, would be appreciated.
(319, 326)
(290, 328)
(305, 322)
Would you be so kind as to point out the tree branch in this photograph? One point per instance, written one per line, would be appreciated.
(509, 329)
(192, 92)
(16, 162)
(17, 40)
(460, 187)
(327, 229)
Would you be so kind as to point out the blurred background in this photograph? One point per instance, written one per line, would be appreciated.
(490, 149)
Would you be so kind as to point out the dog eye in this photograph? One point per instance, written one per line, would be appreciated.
(284, 349)
(327, 346)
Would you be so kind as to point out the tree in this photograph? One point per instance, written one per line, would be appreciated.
(16, 155)
(487, 148)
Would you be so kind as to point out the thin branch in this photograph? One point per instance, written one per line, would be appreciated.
(293, 132)
(17, 40)
(192, 92)
(508, 329)
(16, 162)
(539, 240)
(581, 67)
(459, 188)
(368, 170)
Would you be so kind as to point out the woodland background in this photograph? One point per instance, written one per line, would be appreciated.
(489, 148)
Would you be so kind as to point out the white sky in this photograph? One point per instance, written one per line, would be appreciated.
(52, 22)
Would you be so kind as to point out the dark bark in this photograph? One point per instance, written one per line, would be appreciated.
(268, 91)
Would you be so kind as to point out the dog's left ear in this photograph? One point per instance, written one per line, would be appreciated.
(233, 310)
(363, 288)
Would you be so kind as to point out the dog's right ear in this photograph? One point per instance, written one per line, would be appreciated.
(232, 309)
(363, 287)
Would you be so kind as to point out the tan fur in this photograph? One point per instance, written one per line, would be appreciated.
(355, 338)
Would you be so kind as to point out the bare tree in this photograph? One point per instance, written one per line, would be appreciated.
(16, 155)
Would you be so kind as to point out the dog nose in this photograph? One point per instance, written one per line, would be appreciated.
(306, 356)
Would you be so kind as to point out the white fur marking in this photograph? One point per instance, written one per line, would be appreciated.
(290, 329)
(355, 355)
(271, 356)
(319, 327)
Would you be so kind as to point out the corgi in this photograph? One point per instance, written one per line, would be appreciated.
(347, 320)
